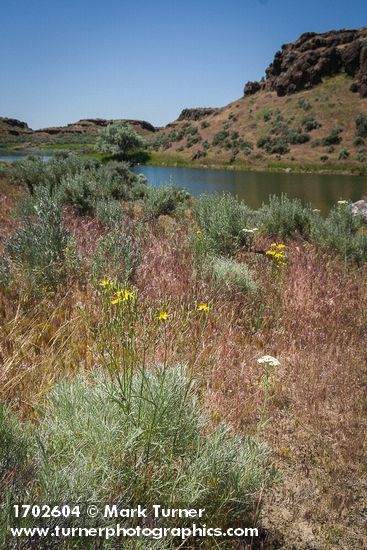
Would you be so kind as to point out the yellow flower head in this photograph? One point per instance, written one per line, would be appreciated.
(270, 252)
(273, 245)
(106, 283)
(162, 316)
(281, 245)
(116, 300)
(203, 307)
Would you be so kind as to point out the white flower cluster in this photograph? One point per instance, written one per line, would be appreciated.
(268, 360)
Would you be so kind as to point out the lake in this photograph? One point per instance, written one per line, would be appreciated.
(322, 191)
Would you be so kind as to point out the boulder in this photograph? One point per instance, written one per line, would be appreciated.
(359, 208)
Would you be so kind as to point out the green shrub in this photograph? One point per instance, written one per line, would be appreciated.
(358, 141)
(343, 154)
(204, 124)
(324, 158)
(333, 138)
(109, 213)
(232, 275)
(16, 470)
(361, 126)
(35, 173)
(117, 255)
(222, 219)
(220, 137)
(361, 156)
(111, 181)
(165, 200)
(309, 123)
(339, 233)
(304, 103)
(119, 139)
(42, 247)
(157, 448)
(297, 137)
(285, 217)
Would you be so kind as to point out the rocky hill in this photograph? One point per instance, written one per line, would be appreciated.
(305, 112)
(83, 131)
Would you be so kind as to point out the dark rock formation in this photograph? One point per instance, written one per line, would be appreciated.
(305, 62)
(14, 123)
(251, 88)
(197, 114)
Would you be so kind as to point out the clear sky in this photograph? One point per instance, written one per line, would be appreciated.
(62, 60)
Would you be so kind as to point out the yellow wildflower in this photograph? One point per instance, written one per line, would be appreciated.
(162, 316)
(273, 244)
(106, 282)
(203, 307)
(281, 245)
(116, 300)
(270, 252)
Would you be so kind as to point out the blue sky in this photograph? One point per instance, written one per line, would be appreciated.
(62, 60)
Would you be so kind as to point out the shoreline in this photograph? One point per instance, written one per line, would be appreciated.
(171, 161)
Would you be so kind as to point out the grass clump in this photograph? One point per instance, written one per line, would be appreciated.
(222, 220)
(285, 217)
(232, 275)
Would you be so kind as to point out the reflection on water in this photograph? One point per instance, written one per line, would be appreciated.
(322, 191)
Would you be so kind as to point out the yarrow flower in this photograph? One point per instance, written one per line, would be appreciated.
(162, 316)
(268, 360)
(253, 230)
(342, 202)
(203, 307)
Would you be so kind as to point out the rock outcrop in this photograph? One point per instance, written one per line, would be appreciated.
(197, 113)
(305, 62)
(12, 127)
(91, 126)
(88, 127)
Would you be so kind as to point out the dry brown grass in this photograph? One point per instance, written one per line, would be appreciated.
(313, 320)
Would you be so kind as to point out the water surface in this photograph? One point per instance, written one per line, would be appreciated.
(322, 191)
